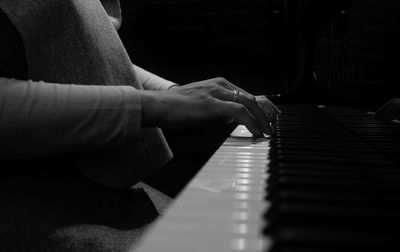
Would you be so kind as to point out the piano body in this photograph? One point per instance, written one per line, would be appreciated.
(327, 180)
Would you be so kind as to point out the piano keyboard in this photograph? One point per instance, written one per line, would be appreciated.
(328, 180)
(221, 208)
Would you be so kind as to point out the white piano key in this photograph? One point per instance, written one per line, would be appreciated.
(235, 157)
(221, 208)
(234, 169)
(215, 170)
(256, 196)
(215, 215)
(241, 146)
(237, 175)
(225, 205)
(194, 242)
(228, 164)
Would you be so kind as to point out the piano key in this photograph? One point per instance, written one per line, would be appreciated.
(350, 168)
(333, 184)
(334, 239)
(321, 159)
(373, 176)
(326, 197)
(331, 155)
(323, 147)
(222, 206)
(332, 216)
(322, 182)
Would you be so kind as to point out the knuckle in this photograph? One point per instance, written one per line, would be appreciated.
(220, 80)
(252, 98)
(249, 97)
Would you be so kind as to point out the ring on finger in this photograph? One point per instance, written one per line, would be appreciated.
(236, 95)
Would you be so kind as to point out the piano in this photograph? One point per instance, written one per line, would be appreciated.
(328, 179)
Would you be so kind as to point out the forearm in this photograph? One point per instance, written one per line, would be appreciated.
(42, 119)
(151, 81)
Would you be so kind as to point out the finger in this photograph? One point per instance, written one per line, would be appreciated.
(232, 86)
(277, 110)
(249, 101)
(227, 84)
(251, 104)
(240, 114)
(267, 109)
(264, 99)
(222, 82)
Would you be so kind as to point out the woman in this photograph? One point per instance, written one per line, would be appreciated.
(82, 92)
(69, 89)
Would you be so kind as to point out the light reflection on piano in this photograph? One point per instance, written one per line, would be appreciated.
(221, 208)
(328, 180)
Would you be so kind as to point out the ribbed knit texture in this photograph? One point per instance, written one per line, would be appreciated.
(73, 41)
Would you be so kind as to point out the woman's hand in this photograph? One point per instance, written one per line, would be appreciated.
(390, 110)
(270, 110)
(213, 99)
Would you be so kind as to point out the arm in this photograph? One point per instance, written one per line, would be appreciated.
(151, 81)
(41, 119)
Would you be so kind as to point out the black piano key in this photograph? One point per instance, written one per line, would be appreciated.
(317, 143)
(326, 159)
(334, 197)
(343, 216)
(308, 239)
(328, 155)
(323, 147)
(390, 168)
(329, 185)
(313, 136)
(339, 174)
(333, 181)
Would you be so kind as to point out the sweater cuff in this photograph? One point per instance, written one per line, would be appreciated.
(151, 81)
(133, 112)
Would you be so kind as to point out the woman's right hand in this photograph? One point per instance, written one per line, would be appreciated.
(390, 110)
(194, 103)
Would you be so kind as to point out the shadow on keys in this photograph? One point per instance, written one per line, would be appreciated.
(192, 148)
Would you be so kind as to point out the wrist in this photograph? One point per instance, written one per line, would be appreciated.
(149, 101)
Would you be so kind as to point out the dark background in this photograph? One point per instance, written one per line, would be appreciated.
(310, 51)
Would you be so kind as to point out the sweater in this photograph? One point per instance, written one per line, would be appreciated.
(74, 90)
(70, 124)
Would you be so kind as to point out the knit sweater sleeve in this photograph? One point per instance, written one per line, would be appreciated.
(151, 81)
(40, 119)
